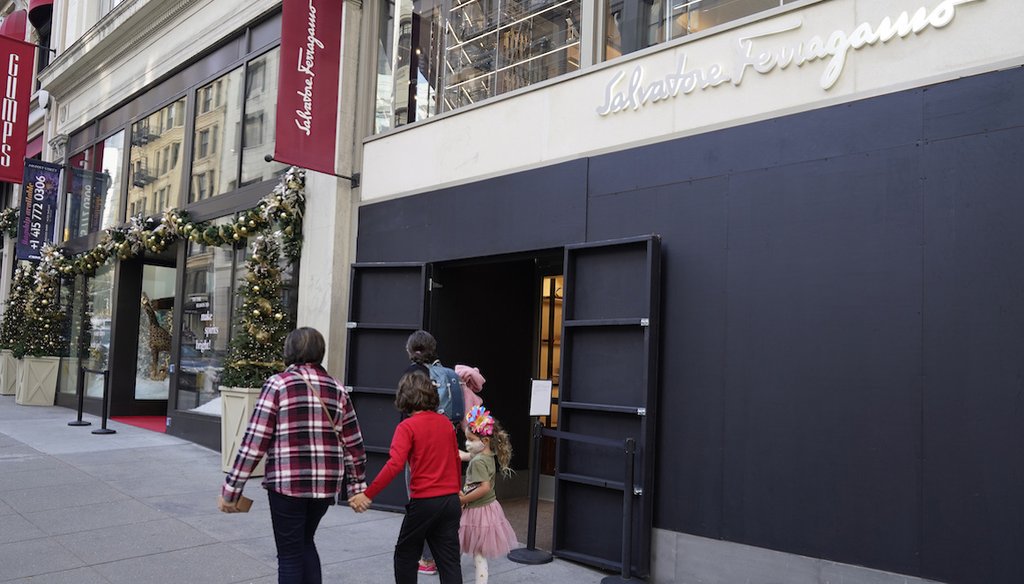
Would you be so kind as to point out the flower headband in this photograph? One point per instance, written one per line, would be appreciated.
(479, 421)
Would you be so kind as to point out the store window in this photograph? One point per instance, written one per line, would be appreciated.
(94, 193)
(234, 129)
(218, 125)
(155, 147)
(88, 302)
(152, 371)
(631, 26)
(439, 56)
(211, 280)
(258, 126)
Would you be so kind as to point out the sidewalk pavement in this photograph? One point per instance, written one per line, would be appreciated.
(139, 507)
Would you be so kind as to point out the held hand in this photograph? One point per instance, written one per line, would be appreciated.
(226, 507)
(359, 502)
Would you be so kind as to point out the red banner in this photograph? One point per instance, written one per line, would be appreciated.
(307, 91)
(16, 74)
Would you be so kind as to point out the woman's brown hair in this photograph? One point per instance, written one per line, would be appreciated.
(304, 345)
(416, 393)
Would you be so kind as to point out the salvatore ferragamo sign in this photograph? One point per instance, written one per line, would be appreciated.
(307, 91)
(635, 91)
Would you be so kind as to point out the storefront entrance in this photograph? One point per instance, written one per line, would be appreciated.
(121, 321)
(501, 314)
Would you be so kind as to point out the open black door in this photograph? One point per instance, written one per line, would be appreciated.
(387, 303)
(608, 394)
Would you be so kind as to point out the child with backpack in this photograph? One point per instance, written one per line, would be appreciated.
(421, 347)
(484, 531)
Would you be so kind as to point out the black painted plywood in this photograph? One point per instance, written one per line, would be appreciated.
(973, 479)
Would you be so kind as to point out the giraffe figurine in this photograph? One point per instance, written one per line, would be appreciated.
(159, 341)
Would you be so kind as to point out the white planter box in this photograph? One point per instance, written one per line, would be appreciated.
(236, 407)
(37, 381)
(8, 373)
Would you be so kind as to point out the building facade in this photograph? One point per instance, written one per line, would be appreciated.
(161, 106)
(778, 240)
(762, 251)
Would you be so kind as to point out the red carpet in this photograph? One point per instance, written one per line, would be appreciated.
(154, 423)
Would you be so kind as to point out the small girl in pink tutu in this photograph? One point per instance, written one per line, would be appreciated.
(484, 531)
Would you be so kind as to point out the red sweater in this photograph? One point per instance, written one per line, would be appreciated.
(426, 440)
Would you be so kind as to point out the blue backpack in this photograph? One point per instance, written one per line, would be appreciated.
(449, 390)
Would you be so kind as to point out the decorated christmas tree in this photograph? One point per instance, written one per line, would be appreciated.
(44, 319)
(12, 326)
(262, 323)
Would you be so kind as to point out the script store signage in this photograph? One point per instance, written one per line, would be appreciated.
(635, 90)
(307, 98)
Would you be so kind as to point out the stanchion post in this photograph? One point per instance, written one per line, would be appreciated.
(80, 388)
(627, 519)
(106, 405)
(530, 554)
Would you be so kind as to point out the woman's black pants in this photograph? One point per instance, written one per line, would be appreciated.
(436, 521)
(295, 520)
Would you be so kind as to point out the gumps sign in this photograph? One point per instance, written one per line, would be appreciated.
(635, 90)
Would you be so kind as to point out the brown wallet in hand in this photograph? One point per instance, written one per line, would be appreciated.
(243, 504)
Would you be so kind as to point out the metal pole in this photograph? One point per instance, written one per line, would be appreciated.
(627, 519)
(81, 398)
(530, 554)
(106, 405)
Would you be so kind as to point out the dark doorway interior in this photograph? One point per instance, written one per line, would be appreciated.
(487, 314)
(484, 315)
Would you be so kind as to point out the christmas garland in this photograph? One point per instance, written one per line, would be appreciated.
(281, 209)
(9, 221)
(277, 218)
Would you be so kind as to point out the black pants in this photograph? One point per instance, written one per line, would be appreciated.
(295, 521)
(436, 521)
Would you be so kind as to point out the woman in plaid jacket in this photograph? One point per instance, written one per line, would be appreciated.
(305, 425)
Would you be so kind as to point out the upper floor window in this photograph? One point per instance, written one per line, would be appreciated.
(631, 26)
(81, 15)
(435, 57)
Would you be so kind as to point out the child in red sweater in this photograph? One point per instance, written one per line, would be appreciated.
(426, 440)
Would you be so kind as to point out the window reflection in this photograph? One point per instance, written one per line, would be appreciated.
(495, 47)
(631, 26)
(259, 124)
(205, 328)
(94, 189)
(215, 151)
(438, 56)
(88, 302)
(154, 161)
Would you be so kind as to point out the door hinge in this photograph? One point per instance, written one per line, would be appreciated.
(432, 284)
(641, 411)
(351, 325)
(645, 322)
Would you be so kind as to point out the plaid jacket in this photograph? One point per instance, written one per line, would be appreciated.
(305, 458)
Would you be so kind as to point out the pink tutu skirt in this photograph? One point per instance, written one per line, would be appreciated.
(486, 531)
